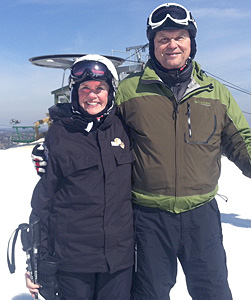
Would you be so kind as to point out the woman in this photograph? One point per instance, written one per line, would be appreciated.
(84, 198)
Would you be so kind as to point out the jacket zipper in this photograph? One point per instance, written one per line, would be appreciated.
(175, 116)
(196, 91)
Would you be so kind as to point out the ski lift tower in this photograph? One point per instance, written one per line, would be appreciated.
(136, 65)
(137, 51)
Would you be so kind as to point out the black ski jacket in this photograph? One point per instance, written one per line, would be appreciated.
(84, 198)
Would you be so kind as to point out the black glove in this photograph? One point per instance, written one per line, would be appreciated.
(39, 158)
(47, 268)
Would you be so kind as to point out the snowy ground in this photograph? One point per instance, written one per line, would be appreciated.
(18, 178)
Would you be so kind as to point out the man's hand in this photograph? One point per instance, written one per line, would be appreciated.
(39, 158)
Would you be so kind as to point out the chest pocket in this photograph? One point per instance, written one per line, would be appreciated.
(123, 157)
(122, 173)
(202, 126)
(71, 165)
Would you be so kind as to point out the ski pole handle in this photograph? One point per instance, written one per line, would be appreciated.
(26, 243)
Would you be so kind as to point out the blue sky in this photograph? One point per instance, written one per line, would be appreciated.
(30, 28)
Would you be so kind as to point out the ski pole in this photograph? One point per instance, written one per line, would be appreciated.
(35, 241)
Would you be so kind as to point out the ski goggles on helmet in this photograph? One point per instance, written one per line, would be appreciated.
(175, 12)
(92, 69)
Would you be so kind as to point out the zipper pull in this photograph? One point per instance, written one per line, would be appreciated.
(189, 119)
(135, 257)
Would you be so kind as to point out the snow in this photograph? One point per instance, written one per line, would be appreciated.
(18, 178)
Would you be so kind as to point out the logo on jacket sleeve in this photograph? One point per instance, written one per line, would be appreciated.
(118, 143)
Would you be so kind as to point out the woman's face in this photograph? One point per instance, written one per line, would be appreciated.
(93, 96)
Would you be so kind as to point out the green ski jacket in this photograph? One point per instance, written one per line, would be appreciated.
(178, 146)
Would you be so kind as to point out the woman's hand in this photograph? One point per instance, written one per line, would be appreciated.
(32, 287)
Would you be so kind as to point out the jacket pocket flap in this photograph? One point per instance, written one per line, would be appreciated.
(124, 158)
(73, 164)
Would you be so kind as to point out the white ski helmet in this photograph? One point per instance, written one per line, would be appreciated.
(93, 67)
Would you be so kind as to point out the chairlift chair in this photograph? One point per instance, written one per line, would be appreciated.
(23, 134)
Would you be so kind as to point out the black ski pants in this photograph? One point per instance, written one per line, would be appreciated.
(95, 286)
(194, 238)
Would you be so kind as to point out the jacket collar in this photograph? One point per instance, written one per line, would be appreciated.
(150, 76)
(66, 115)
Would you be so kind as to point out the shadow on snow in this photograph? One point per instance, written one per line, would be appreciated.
(235, 221)
(22, 297)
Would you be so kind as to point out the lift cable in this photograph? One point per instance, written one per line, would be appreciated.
(245, 112)
(238, 89)
(229, 84)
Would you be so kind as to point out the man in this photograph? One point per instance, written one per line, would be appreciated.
(180, 121)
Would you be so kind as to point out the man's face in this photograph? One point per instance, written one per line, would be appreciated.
(172, 48)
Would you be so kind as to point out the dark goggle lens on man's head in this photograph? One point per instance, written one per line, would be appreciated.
(176, 12)
(96, 69)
